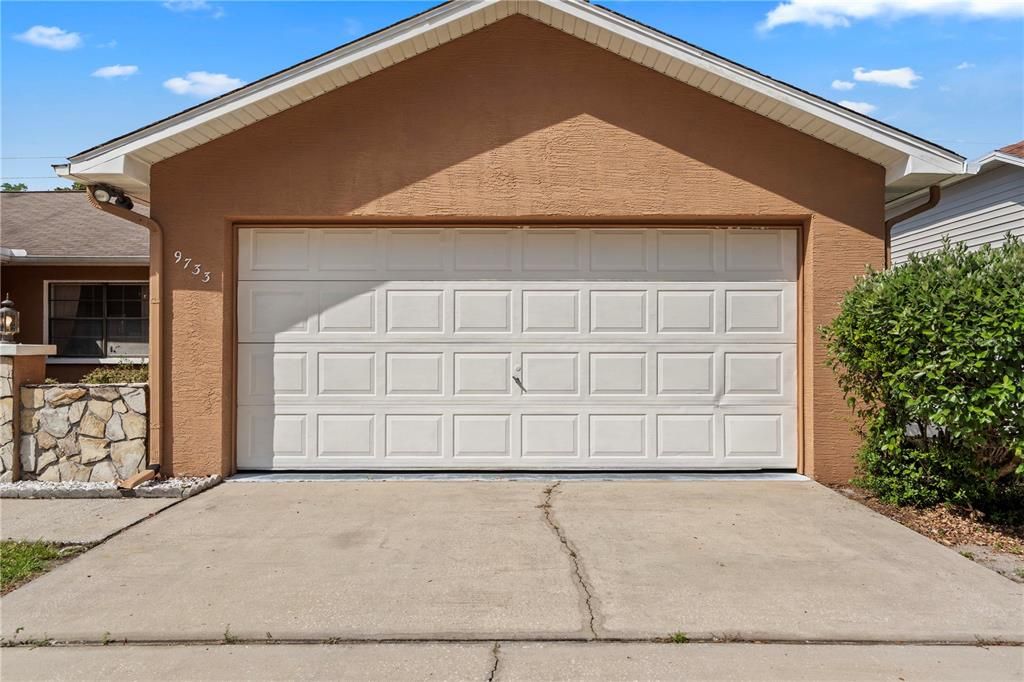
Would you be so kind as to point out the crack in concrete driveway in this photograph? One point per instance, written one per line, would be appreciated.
(577, 562)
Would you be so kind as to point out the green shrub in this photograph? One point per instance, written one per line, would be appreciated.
(121, 373)
(930, 356)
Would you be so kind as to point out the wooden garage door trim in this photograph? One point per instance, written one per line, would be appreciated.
(234, 224)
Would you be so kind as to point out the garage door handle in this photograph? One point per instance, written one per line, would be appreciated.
(518, 380)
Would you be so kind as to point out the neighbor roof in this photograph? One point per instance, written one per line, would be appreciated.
(1015, 149)
(910, 162)
(64, 228)
(1010, 155)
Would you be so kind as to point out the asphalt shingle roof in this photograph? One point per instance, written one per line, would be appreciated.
(1015, 149)
(65, 225)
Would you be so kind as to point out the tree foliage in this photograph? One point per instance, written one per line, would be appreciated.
(930, 356)
(75, 187)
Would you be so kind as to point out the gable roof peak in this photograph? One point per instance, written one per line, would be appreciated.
(124, 162)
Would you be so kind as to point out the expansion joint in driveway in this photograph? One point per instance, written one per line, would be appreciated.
(574, 557)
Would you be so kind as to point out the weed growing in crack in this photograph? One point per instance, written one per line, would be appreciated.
(679, 638)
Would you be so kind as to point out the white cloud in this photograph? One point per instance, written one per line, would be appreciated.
(50, 37)
(115, 71)
(903, 77)
(186, 5)
(351, 27)
(112, 43)
(202, 84)
(842, 13)
(859, 107)
(842, 85)
(216, 11)
(965, 65)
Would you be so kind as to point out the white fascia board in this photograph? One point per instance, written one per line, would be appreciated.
(914, 165)
(123, 171)
(248, 95)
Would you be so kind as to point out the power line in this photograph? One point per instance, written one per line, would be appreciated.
(7, 158)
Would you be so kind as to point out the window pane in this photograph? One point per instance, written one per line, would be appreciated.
(135, 309)
(127, 349)
(98, 320)
(75, 309)
(87, 328)
(79, 347)
(127, 337)
(127, 330)
(80, 338)
(76, 300)
(75, 292)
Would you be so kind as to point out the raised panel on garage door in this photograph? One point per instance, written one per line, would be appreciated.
(511, 348)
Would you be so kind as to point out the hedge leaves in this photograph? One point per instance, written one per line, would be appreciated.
(930, 355)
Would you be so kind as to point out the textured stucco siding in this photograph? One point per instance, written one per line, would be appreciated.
(515, 121)
(979, 210)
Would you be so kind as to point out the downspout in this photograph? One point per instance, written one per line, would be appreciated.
(934, 194)
(156, 261)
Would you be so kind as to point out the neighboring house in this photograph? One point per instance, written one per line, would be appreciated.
(978, 208)
(79, 277)
(505, 235)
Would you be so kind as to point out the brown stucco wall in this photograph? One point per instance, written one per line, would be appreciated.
(515, 120)
(26, 285)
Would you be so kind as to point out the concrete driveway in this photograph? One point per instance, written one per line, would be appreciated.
(524, 563)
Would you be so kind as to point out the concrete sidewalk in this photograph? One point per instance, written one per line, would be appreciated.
(536, 662)
(73, 521)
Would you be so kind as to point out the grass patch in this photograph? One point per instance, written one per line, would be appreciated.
(22, 561)
(679, 638)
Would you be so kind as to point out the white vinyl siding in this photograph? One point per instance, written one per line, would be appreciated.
(512, 348)
(979, 210)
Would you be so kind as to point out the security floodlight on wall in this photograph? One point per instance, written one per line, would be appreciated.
(104, 194)
(10, 320)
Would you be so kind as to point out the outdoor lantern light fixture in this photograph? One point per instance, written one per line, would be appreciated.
(101, 195)
(10, 320)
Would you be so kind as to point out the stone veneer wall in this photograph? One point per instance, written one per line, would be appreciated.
(83, 432)
(6, 419)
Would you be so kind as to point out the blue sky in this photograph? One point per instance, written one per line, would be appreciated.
(78, 73)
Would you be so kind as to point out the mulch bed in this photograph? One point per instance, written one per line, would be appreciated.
(950, 526)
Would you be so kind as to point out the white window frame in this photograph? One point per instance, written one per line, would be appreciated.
(63, 360)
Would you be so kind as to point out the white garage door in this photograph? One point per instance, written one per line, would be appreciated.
(516, 348)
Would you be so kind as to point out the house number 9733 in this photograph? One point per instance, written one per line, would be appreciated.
(194, 269)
